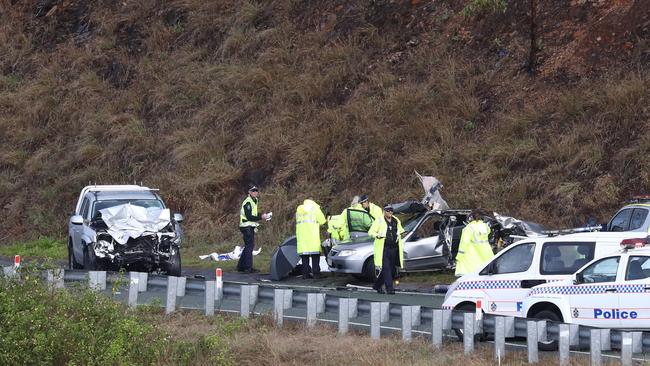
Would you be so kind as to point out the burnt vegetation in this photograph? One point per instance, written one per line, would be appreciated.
(322, 98)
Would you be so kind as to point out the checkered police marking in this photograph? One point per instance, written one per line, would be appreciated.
(489, 285)
(588, 289)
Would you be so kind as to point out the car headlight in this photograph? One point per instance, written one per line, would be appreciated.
(346, 253)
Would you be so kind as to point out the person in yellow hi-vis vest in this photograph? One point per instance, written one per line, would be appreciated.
(388, 249)
(373, 210)
(309, 218)
(474, 249)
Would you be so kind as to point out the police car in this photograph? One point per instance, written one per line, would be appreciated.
(502, 284)
(609, 292)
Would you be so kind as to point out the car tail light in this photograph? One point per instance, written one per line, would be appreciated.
(634, 243)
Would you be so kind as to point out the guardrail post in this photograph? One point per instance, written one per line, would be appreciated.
(182, 281)
(9, 271)
(172, 290)
(97, 280)
(605, 340)
(574, 334)
(344, 315)
(541, 330)
(245, 301)
(415, 315)
(209, 298)
(446, 319)
(134, 288)
(468, 332)
(288, 299)
(320, 303)
(533, 354)
(594, 347)
(510, 327)
(407, 323)
(499, 338)
(278, 306)
(436, 327)
(564, 343)
(375, 320)
(385, 311)
(255, 289)
(353, 307)
(312, 306)
(55, 278)
(637, 342)
(626, 348)
(142, 281)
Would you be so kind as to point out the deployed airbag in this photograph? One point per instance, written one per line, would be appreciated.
(130, 221)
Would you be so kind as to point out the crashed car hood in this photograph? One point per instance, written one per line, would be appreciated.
(130, 221)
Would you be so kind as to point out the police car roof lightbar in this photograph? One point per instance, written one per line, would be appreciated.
(645, 198)
(635, 243)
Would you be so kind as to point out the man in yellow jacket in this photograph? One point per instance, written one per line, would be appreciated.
(388, 249)
(474, 249)
(309, 218)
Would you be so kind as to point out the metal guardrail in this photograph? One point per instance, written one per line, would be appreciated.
(438, 321)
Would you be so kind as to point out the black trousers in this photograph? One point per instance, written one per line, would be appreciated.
(315, 264)
(246, 258)
(388, 269)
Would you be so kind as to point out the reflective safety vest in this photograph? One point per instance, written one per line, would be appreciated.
(378, 231)
(375, 211)
(355, 218)
(243, 222)
(335, 227)
(474, 249)
(309, 218)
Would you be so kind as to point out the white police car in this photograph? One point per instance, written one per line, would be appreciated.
(502, 284)
(609, 292)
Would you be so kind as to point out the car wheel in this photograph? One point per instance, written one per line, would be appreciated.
(552, 316)
(90, 261)
(470, 308)
(174, 265)
(368, 271)
(72, 262)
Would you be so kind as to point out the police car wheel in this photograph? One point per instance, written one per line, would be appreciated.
(552, 316)
(470, 308)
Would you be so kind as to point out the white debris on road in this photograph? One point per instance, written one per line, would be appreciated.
(235, 254)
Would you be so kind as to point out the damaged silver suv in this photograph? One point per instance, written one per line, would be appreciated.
(124, 226)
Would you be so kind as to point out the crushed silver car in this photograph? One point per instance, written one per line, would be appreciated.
(124, 226)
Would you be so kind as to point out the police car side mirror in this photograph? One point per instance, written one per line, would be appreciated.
(492, 268)
(579, 278)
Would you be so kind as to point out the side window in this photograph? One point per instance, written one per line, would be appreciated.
(602, 271)
(638, 218)
(430, 227)
(638, 268)
(359, 220)
(517, 259)
(621, 221)
(84, 208)
(565, 258)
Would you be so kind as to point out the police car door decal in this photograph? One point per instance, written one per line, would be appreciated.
(596, 299)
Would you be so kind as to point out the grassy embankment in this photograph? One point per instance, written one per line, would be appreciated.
(78, 326)
(322, 99)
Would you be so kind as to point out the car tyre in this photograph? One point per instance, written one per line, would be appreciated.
(368, 272)
(554, 317)
(90, 261)
(174, 265)
(459, 332)
(72, 262)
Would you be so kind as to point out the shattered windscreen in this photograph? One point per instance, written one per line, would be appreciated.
(145, 203)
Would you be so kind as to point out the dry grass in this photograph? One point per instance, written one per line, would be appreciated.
(200, 98)
(258, 342)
